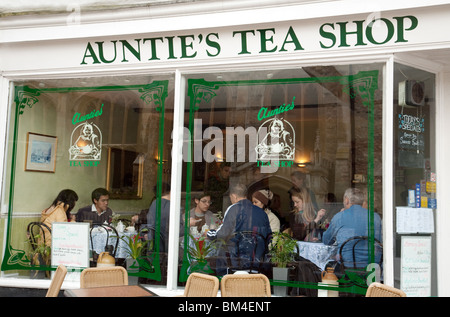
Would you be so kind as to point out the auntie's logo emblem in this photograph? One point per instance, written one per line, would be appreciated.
(86, 142)
(277, 140)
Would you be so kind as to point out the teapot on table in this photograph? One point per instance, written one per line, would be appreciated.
(105, 260)
(120, 227)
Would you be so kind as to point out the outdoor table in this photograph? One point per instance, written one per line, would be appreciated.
(110, 291)
(99, 242)
(317, 252)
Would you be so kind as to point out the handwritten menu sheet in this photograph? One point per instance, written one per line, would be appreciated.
(70, 244)
(414, 220)
(415, 274)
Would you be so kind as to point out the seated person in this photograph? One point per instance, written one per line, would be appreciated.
(200, 215)
(59, 211)
(242, 215)
(299, 182)
(351, 222)
(164, 219)
(139, 220)
(98, 212)
(303, 219)
(263, 198)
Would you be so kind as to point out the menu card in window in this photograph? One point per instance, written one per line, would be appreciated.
(415, 274)
(414, 220)
(70, 245)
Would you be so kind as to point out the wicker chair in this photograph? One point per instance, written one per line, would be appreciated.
(103, 276)
(58, 279)
(245, 285)
(380, 290)
(201, 285)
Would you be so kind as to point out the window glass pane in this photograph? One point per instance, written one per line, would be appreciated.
(82, 134)
(277, 133)
(415, 181)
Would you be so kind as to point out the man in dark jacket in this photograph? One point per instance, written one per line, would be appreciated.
(240, 217)
(98, 212)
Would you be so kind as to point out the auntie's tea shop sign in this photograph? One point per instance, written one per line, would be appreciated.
(253, 41)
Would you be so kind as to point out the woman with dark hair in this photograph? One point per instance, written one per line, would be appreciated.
(59, 211)
(263, 198)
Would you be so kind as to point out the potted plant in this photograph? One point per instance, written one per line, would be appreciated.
(281, 253)
(199, 250)
(136, 247)
(40, 256)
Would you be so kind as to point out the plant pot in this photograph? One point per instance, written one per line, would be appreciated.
(280, 274)
(133, 271)
(38, 274)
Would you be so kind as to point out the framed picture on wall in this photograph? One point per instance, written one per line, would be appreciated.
(125, 174)
(40, 153)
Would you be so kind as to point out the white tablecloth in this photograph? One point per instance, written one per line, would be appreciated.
(99, 242)
(317, 252)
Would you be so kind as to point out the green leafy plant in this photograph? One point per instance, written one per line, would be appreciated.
(200, 250)
(40, 254)
(40, 251)
(136, 245)
(282, 249)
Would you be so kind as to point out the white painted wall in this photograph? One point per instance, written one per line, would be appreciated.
(443, 183)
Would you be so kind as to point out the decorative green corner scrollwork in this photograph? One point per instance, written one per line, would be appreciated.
(363, 84)
(26, 97)
(200, 90)
(353, 281)
(16, 259)
(156, 93)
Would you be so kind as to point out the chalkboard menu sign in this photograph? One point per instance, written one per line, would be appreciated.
(70, 244)
(411, 141)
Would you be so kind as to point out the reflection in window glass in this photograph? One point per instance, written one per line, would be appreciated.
(296, 140)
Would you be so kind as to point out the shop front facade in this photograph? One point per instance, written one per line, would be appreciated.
(202, 97)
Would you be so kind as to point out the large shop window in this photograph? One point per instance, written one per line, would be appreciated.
(415, 181)
(268, 157)
(72, 137)
(281, 147)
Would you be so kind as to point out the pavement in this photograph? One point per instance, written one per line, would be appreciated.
(23, 292)
(37, 292)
